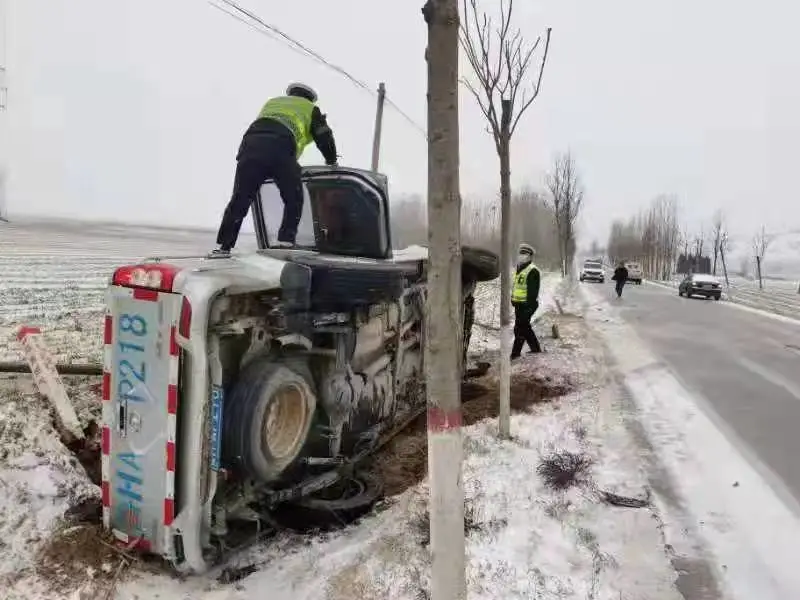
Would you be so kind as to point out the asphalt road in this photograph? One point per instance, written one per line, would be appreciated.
(745, 366)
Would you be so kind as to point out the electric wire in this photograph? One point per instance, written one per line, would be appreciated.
(251, 19)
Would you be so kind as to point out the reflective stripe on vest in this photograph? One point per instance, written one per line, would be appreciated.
(519, 292)
(294, 113)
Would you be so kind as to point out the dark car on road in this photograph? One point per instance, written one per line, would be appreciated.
(699, 284)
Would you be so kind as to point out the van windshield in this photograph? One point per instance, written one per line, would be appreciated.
(591, 265)
(338, 218)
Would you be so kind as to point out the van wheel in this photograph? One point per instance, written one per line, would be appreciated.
(348, 499)
(268, 414)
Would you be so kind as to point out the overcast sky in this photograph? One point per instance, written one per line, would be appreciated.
(133, 109)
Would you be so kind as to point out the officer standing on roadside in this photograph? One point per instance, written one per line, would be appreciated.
(270, 149)
(525, 299)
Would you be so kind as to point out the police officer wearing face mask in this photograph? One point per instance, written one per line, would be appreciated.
(525, 299)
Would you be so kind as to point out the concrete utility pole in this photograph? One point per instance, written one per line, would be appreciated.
(504, 417)
(5, 150)
(443, 322)
(376, 138)
(3, 58)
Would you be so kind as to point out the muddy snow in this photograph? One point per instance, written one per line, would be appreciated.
(539, 520)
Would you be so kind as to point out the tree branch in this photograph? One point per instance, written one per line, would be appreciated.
(500, 61)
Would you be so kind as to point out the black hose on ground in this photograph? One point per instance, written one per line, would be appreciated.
(63, 369)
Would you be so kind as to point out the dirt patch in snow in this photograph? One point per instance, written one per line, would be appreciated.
(403, 463)
(42, 480)
(80, 553)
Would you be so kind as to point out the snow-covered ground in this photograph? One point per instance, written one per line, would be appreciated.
(720, 495)
(525, 539)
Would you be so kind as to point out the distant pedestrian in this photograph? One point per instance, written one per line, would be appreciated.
(620, 277)
(525, 300)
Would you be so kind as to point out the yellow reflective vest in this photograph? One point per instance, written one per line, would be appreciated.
(519, 291)
(294, 113)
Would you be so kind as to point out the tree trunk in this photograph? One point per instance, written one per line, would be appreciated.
(716, 253)
(758, 267)
(443, 321)
(504, 418)
(724, 269)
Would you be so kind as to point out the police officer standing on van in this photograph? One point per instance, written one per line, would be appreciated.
(525, 300)
(270, 149)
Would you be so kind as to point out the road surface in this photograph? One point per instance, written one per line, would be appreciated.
(744, 365)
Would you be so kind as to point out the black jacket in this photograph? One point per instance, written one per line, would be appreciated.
(260, 138)
(620, 275)
(534, 283)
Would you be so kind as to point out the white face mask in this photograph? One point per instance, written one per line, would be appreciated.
(524, 258)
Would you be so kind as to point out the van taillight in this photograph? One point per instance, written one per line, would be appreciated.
(155, 276)
(185, 320)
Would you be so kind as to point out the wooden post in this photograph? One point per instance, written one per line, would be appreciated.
(376, 137)
(49, 384)
(443, 320)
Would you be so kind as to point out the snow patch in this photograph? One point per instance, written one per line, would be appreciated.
(39, 478)
(751, 533)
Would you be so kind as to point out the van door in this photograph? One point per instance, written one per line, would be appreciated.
(140, 416)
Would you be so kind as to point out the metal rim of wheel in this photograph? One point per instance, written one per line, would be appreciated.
(284, 421)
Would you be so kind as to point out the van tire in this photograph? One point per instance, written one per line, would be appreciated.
(479, 264)
(272, 382)
(355, 496)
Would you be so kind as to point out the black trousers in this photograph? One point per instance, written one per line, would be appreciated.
(523, 331)
(618, 287)
(278, 163)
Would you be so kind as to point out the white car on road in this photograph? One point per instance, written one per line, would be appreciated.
(593, 271)
(634, 272)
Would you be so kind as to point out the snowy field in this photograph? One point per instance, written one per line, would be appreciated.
(526, 538)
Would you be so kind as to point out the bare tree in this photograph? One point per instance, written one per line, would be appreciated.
(652, 237)
(761, 242)
(566, 197)
(686, 240)
(531, 221)
(699, 242)
(724, 246)
(501, 63)
(717, 226)
(443, 323)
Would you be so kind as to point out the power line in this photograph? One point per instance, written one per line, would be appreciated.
(277, 34)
